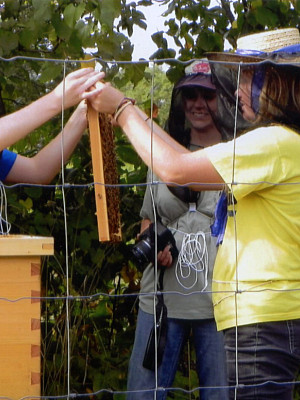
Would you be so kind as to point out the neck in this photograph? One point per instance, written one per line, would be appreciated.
(205, 139)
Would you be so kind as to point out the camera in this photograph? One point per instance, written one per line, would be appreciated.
(144, 249)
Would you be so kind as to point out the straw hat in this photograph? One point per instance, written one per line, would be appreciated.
(269, 41)
(280, 45)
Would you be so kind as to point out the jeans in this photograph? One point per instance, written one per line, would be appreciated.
(210, 354)
(268, 354)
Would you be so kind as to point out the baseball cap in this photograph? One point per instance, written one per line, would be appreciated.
(198, 73)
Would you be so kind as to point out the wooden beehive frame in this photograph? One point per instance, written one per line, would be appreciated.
(99, 179)
(97, 157)
(97, 152)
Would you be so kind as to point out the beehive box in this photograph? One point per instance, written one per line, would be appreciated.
(20, 334)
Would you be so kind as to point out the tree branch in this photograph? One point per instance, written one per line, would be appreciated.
(226, 8)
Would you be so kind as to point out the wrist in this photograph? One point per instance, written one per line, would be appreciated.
(125, 102)
(78, 120)
(53, 102)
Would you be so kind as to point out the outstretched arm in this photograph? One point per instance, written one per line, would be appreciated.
(170, 161)
(17, 125)
(155, 128)
(43, 167)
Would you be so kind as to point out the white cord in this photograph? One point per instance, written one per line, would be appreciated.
(192, 259)
(5, 226)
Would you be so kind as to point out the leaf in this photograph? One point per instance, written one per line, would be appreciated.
(26, 38)
(135, 73)
(101, 311)
(266, 17)
(297, 5)
(27, 204)
(174, 74)
(62, 30)
(42, 10)
(191, 13)
(158, 38)
(145, 3)
(34, 192)
(110, 9)
(50, 71)
(8, 41)
(74, 44)
(84, 240)
(173, 27)
(73, 13)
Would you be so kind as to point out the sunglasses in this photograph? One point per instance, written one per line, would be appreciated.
(192, 93)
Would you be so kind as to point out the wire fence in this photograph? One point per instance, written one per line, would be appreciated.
(69, 304)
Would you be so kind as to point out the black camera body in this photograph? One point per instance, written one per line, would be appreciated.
(144, 249)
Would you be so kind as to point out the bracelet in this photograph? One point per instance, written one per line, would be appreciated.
(121, 109)
(126, 101)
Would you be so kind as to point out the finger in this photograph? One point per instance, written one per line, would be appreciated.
(159, 257)
(83, 105)
(91, 93)
(168, 256)
(81, 72)
(94, 79)
(166, 251)
(164, 257)
(87, 80)
(166, 263)
(101, 85)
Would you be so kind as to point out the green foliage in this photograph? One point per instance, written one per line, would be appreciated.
(155, 85)
(101, 324)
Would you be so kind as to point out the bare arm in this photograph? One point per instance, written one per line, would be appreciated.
(17, 125)
(43, 167)
(170, 161)
(145, 224)
(160, 132)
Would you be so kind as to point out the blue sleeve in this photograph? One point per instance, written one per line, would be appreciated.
(7, 160)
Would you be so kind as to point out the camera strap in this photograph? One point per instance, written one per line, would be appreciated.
(158, 335)
(160, 297)
(161, 319)
(160, 284)
(161, 312)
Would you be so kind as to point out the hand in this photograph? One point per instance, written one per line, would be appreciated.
(164, 257)
(107, 99)
(76, 86)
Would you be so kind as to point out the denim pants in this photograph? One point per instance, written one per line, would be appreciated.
(210, 354)
(267, 356)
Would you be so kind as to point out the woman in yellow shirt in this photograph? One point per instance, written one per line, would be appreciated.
(256, 284)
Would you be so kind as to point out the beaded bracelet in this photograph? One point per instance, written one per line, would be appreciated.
(126, 101)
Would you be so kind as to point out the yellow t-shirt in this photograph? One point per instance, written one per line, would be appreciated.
(257, 272)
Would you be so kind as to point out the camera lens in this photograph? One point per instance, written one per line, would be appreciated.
(142, 252)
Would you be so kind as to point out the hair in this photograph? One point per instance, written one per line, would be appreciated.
(175, 124)
(280, 97)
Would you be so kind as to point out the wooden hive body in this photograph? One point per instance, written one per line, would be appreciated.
(20, 333)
